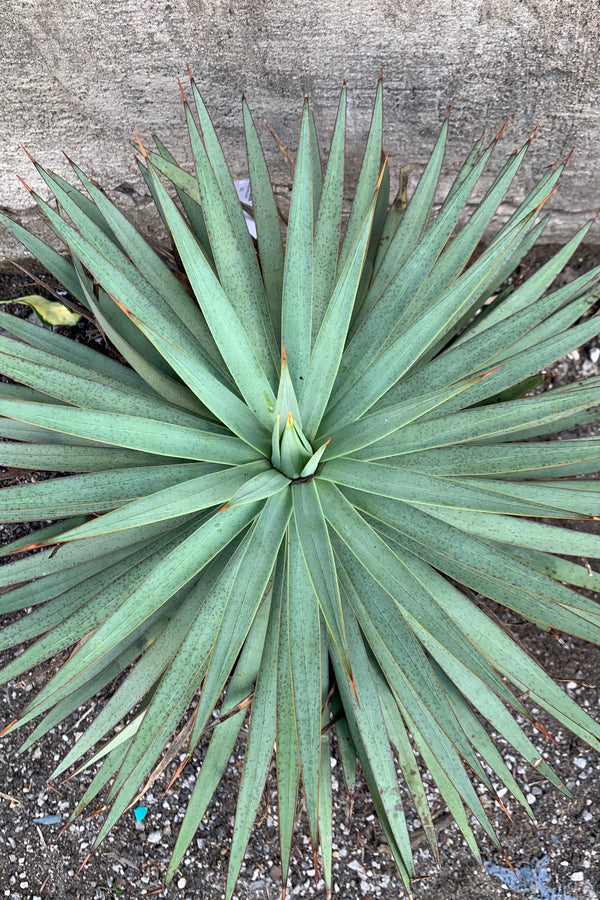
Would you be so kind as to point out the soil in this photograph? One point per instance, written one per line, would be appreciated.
(557, 858)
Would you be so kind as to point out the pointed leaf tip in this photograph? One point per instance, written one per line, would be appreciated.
(25, 185)
(382, 173)
(508, 862)
(546, 198)
(8, 727)
(491, 371)
(84, 863)
(502, 807)
(28, 154)
(533, 133)
(353, 686)
(546, 733)
(140, 145)
(123, 307)
(181, 90)
(499, 135)
(178, 772)
(23, 550)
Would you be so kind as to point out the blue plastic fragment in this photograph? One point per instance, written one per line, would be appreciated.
(140, 812)
(47, 820)
(529, 881)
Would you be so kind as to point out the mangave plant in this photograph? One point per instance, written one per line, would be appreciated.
(310, 463)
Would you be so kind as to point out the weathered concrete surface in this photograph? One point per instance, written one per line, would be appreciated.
(80, 76)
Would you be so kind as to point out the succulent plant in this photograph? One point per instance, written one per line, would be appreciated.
(310, 462)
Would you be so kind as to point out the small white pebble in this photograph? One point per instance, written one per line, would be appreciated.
(571, 685)
(181, 883)
(595, 354)
(154, 837)
(531, 798)
(355, 866)
(577, 876)
(580, 762)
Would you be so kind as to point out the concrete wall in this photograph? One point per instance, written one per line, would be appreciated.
(80, 75)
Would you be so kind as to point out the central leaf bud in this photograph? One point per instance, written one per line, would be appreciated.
(291, 451)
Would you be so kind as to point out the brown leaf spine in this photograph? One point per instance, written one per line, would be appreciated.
(141, 146)
(499, 135)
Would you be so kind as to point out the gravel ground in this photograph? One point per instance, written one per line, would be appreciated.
(557, 858)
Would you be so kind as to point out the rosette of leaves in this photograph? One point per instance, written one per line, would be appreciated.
(310, 460)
